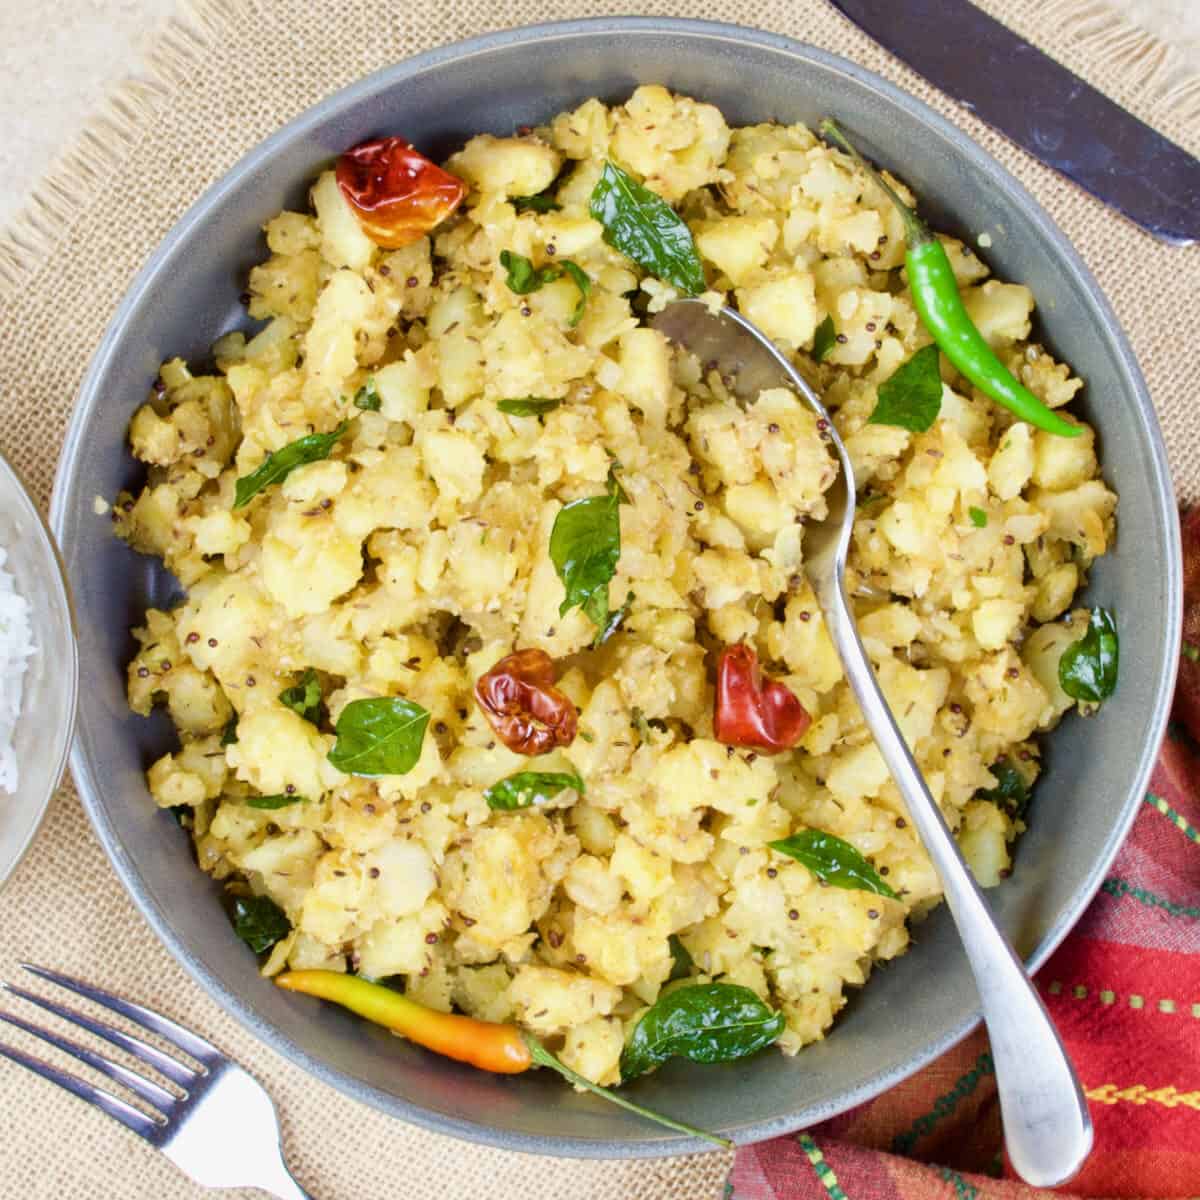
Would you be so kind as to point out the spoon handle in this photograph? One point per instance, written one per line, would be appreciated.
(1047, 1129)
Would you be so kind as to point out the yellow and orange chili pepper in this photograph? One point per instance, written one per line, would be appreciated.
(483, 1044)
(502, 1049)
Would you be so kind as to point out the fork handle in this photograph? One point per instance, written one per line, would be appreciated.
(281, 1185)
(1048, 1130)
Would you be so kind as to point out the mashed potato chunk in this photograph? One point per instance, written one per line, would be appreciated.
(469, 396)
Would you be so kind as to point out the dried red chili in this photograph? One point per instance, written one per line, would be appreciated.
(518, 697)
(753, 711)
(396, 193)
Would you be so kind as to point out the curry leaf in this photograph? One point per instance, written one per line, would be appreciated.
(824, 339)
(707, 1023)
(614, 484)
(583, 283)
(229, 734)
(305, 698)
(379, 736)
(681, 959)
(530, 787)
(276, 467)
(543, 202)
(832, 860)
(528, 406)
(1011, 792)
(523, 276)
(367, 397)
(644, 227)
(596, 609)
(911, 397)
(259, 922)
(613, 623)
(637, 719)
(282, 800)
(585, 544)
(978, 517)
(1088, 668)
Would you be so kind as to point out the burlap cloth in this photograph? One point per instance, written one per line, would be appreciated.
(216, 81)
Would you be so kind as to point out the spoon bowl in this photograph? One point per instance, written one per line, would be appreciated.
(750, 363)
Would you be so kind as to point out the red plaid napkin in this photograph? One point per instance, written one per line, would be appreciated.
(1124, 991)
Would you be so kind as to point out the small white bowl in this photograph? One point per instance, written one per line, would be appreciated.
(47, 718)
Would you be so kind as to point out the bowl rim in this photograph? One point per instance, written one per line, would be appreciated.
(961, 143)
(61, 589)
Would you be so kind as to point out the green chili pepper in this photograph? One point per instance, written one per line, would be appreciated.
(939, 305)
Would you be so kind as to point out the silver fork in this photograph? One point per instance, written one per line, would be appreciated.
(222, 1130)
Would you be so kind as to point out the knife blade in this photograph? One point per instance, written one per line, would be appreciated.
(1043, 107)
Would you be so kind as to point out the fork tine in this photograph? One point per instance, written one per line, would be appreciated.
(187, 1041)
(113, 1105)
(151, 1055)
(147, 1089)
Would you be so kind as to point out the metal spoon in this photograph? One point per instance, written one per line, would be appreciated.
(1047, 1127)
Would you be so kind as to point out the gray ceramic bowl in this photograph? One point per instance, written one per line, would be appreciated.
(188, 294)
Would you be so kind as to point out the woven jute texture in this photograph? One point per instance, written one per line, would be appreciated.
(217, 80)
